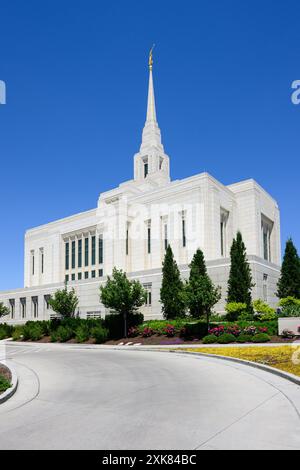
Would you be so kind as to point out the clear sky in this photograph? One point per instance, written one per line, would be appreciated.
(76, 76)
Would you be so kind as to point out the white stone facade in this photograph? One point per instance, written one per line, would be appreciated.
(132, 225)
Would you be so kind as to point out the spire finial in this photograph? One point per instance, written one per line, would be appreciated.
(151, 57)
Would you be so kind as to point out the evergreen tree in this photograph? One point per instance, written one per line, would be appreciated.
(201, 294)
(289, 282)
(240, 278)
(171, 292)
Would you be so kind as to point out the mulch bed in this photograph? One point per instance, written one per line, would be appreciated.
(154, 340)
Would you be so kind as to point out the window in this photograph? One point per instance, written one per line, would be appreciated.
(67, 255)
(42, 260)
(127, 240)
(86, 275)
(100, 272)
(266, 228)
(161, 163)
(166, 236)
(12, 308)
(93, 274)
(46, 300)
(79, 261)
(73, 255)
(100, 249)
(23, 307)
(79, 276)
(86, 251)
(223, 232)
(73, 277)
(35, 304)
(183, 230)
(148, 289)
(67, 278)
(32, 263)
(149, 237)
(146, 169)
(93, 251)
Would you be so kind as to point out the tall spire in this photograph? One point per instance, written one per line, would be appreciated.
(151, 112)
(151, 133)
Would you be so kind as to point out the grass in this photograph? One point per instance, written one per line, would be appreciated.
(286, 358)
(4, 384)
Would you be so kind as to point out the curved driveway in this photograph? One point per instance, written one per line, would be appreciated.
(75, 397)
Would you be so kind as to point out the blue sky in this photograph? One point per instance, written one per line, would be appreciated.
(76, 76)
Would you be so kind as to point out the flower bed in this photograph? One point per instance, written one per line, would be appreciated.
(286, 358)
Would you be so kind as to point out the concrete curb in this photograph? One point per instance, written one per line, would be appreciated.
(284, 375)
(12, 390)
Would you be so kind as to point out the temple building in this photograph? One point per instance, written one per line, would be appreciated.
(133, 224)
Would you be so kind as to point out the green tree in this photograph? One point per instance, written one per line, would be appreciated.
(200, 293)
(171, 292)
(64, 302)
(3, 310)
(122, 295)
(240, 278)
(289, 282)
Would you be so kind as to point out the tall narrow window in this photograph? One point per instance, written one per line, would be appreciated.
(149, 237)
(127, 240)
(86, 251)
(223, 236)
(93, 250)
(46, 300)
(183, 231)
(166, 236)
(73, 254)
(32, 263)
(101, 249)
(42, 260)
(23, 307)
(79, 253)
(266, 227)
(67, 255)
(35, 306)
(146, 169)
(12, 308)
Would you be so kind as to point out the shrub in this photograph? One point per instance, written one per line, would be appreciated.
(4, 384)
(196, 329)
(63, 334)
(147, 332)
(291, 311)
(210, 339)
(170, 331)
(17, 334)
(32, 331)
(100, 334)
(132, 332)
(53, 337)
(244, 338)
(226, 338)
(5, 331)
(289, 301)
(82, 333)
(235, 310)
(260, 338)
(114, 323)
(250, 330)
